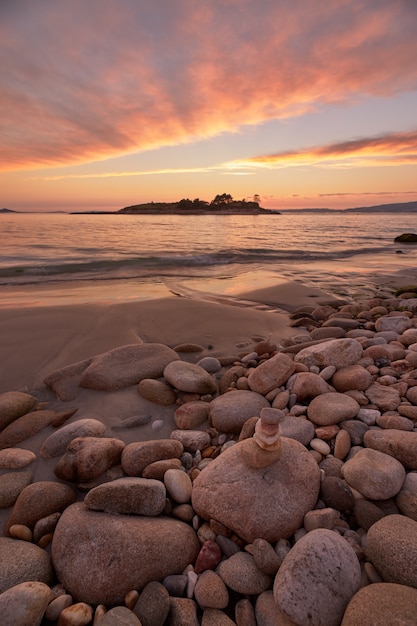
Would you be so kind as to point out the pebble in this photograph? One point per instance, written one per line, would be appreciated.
(153, 604)
(376, 475)
(240, 573)
(157, 392)
(210, 591)
(332, 408)
(24, 604)
(320, 446)
(189, 377)
(79, 614)
(191, 415)
(208, 558)
(178, 485)
(16, 458)
(11, 484)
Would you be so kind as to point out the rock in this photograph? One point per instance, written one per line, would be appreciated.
(351, 377)
(56, 444)
(14, 404)
(239, 573)
(342, 444)
(16, 458)
(271, 373)
(22, 561)
(266, 559)
(396, 422)
(267, 613)
(297, 428)
(138, 496)
(39, 500)
(208, 558)
(398, 443)
(189, 377)
(11, 484)
(406, 238)
(210, 364)
(230, 411)
(332, 408)
(210, 591)
(356, 430)
(127, 365)
(384, 397)
(317, 579)
(96, 555)
(119, 616)
(397, 323)
(392, 549)
(192, 440)
(336, 493)
(65, 381)
(30, 424)
(331, 466)
(406, 500)
(367, 513)
(157, 391)
(87, 458)
(320, 446)
(182, 611)
(78, 614)
(136, 456)
(306, 385)
(24, 604)
(229, 491)
(382, 603)
(158, 468)
(337, 352)
(179, 485)
(321, 518)
(376, 475)
(153, 605)
(191, 415)
(215, 617)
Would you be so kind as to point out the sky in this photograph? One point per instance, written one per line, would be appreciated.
(106, 104)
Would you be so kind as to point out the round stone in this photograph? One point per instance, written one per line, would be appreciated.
(157, 392)
(22, 561)
(374, 474)
(382, 603)
(317, 579)
(230, 411)
(392, 549)
(239, 572)
(139, 496)
(332, 408)
(189, 377)
(178, 485)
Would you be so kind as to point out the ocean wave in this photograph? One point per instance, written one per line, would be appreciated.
(168, 264)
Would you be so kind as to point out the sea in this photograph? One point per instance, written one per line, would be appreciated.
(60, 258)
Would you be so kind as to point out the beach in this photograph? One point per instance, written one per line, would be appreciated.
(223, 323)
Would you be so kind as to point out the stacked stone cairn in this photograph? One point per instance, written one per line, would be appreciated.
(285, 494)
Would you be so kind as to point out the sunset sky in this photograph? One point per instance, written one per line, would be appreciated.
(307, 103)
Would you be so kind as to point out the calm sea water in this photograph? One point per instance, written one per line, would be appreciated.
(61, 253)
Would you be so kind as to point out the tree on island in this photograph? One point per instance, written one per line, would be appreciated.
(224, 198)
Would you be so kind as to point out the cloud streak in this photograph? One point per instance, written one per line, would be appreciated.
(87, 81)
(388, 149)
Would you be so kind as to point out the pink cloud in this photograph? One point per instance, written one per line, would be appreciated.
(86, 81)
(389, 149)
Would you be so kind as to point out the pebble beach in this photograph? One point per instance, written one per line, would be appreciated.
(182, 462)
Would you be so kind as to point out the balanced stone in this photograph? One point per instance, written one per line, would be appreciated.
(139, 496)
(317, 579)
(268, 502)
(189, 377)
(100, 557)
(376, 475)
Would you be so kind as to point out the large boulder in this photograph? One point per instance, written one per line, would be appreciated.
(127, 365)
(336, 352)
(392, 548)
(317, 579)
(268, 502)
(99, 557)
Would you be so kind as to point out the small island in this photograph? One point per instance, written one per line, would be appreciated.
(221, 204)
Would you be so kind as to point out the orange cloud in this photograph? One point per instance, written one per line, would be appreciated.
(389, 149)
(88, 81)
